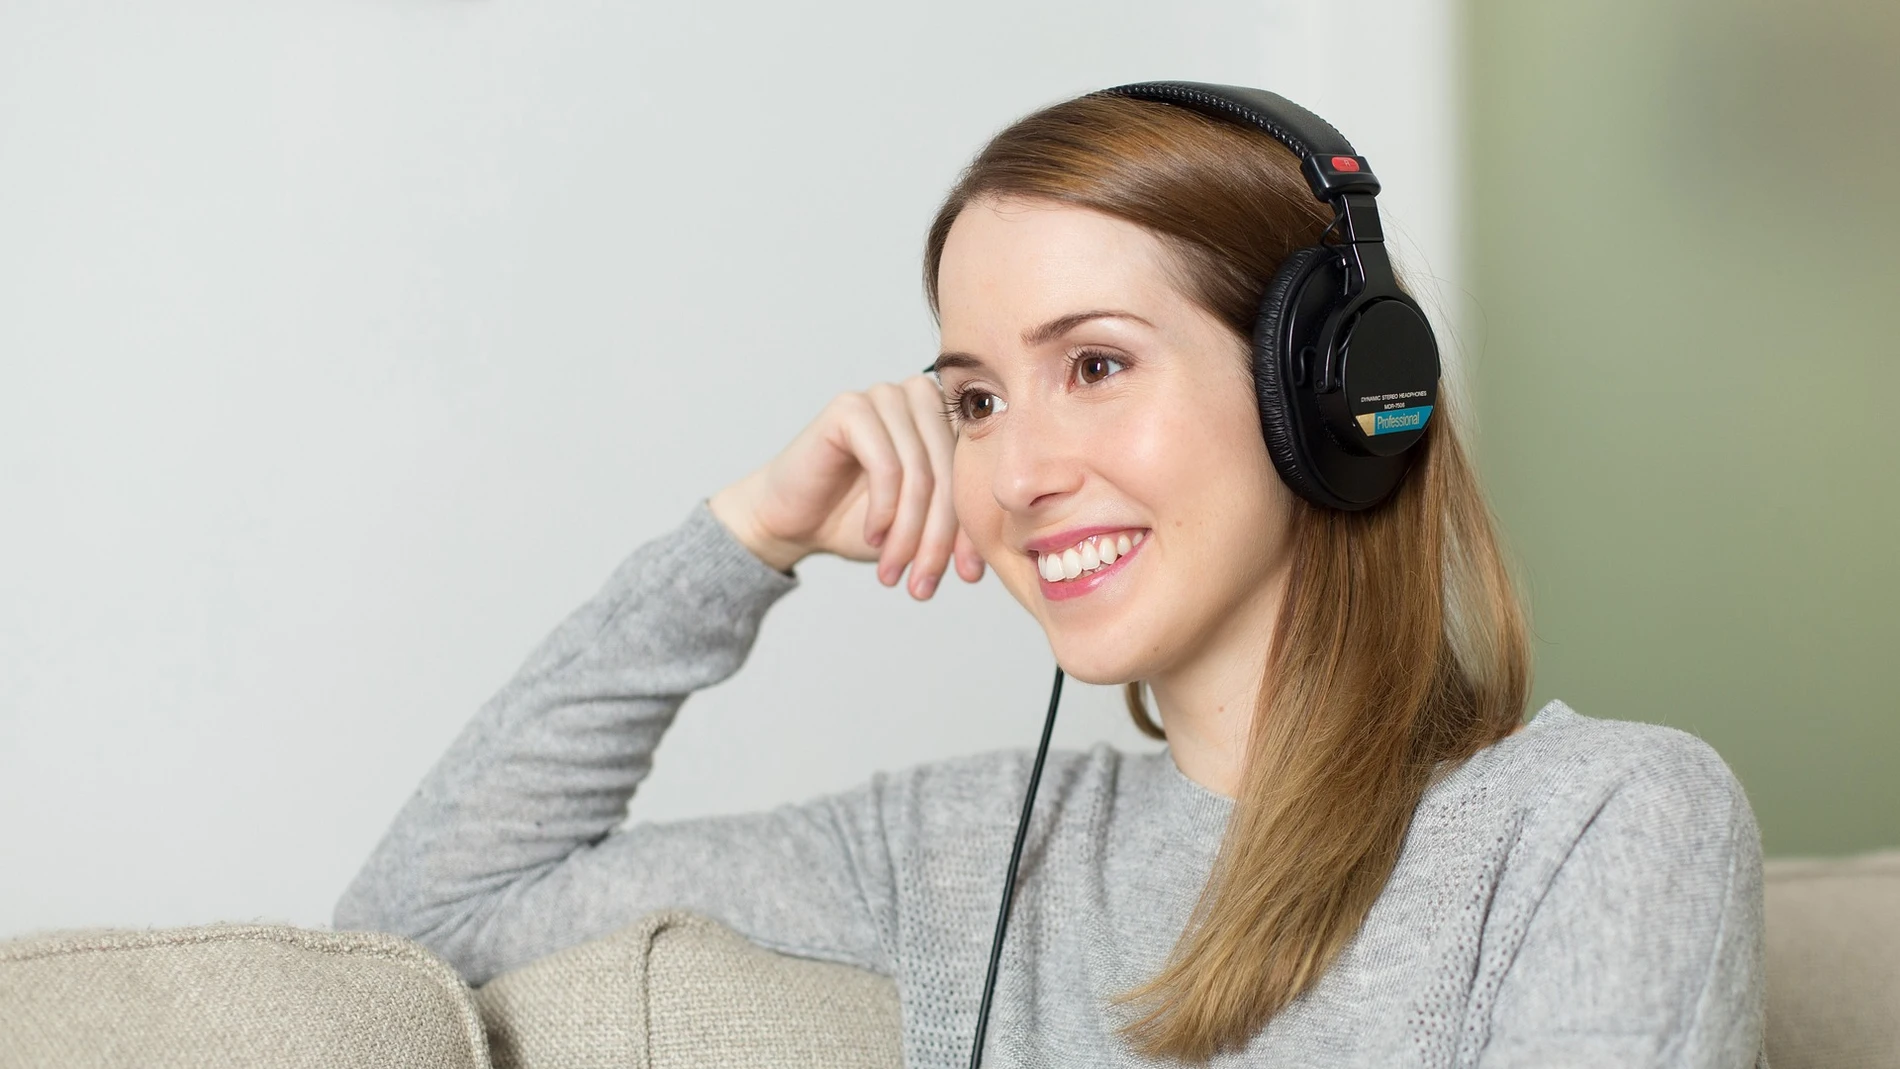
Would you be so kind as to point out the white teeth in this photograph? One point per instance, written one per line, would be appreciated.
(1086, 556)
(1071, 564)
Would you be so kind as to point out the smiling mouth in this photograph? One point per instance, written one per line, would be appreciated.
(1089, 557)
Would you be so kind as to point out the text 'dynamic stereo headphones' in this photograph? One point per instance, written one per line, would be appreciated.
(1345, 366)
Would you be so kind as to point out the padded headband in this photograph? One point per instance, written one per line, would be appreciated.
(1331, 165)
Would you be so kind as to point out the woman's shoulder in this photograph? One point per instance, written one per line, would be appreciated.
(1566, 768)
(1607, 752)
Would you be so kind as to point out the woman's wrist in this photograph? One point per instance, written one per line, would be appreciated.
(733, 508)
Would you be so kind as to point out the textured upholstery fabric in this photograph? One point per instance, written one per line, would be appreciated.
(1834, 963)
(251, 995)
(676, 990)
(718, 1001)
(579, 1008)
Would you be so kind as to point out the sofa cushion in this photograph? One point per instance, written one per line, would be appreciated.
(1834, 962)
(254, 995)
(677, 990)
(574, 1009)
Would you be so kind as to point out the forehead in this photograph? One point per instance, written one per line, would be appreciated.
(1009, 264)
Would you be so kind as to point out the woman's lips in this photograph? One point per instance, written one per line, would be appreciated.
(1083, 584)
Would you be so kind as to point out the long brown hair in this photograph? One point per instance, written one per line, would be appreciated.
(1400, 644)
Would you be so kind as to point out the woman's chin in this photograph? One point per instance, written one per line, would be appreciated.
(1095, 666)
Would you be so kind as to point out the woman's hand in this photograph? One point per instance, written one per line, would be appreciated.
(869, 479)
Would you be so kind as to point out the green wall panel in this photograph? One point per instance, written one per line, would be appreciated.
(1684, 238)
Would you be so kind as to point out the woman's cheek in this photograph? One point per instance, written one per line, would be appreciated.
(982, 519)
(977, 512)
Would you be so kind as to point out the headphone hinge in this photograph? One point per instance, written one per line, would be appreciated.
(1356, 218)
(1362, 242)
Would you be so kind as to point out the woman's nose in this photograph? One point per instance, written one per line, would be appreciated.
(1039, 461)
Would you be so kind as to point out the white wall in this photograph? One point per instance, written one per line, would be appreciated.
(345, 346)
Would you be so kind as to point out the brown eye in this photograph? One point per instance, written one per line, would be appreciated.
(1094, 367)
(978, 405)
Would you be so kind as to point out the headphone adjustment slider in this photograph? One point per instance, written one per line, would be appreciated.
(1332, 177)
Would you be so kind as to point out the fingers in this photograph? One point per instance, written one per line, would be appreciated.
(916, 495)
(897, 434)
(869, 442)
(942, 444)
(940, 531)
(969, 561)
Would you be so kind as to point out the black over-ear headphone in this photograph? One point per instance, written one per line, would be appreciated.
(1345, 365)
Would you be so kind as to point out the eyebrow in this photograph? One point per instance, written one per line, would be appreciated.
(1035, 336)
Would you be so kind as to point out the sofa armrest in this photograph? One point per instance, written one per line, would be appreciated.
(1834, 962)
(232, 994)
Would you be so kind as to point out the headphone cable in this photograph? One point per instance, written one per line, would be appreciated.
(1009, 878)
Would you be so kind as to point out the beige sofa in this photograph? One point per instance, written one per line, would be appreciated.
(679, 990)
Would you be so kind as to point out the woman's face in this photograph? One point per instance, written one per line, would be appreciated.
(1097, 405)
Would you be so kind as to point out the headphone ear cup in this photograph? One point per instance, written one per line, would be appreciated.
(1276, 375)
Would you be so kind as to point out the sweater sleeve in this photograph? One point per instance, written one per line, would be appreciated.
(509, 849)
(1647, 947)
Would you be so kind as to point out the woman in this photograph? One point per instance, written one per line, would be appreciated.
(1351, 852)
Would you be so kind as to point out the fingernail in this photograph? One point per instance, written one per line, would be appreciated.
(927, 587)
(876, 539)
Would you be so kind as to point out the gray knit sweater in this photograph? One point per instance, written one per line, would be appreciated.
(1583, 893)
